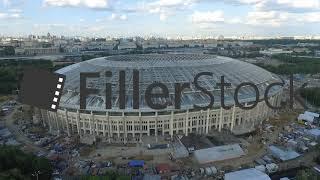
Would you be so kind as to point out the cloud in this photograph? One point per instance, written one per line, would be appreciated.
(121, 17)
(164, 8)
(164, 16)
(10, 16)
(6, 2)
(279, 18)
(12, 3)
(235, 20)
(49, 26)
(92, 4)
(269, 18)
(207, 17)
(172, 3)
(312, 17)
(294, 6)
(15, 10)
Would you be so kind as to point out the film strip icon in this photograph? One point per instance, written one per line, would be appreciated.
(42, 89)
(57, 93)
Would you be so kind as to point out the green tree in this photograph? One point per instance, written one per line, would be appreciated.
(9, 51)
(16, 165)
(307, 175)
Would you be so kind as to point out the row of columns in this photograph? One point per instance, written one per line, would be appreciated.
(93, 122)
(53, 121)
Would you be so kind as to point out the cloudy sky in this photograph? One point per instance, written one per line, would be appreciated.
(169, 18)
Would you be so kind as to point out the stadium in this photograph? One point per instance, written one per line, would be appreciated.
(129, 125)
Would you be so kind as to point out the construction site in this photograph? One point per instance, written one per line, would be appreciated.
(280, 144)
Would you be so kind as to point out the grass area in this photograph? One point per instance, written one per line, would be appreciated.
(283, 118)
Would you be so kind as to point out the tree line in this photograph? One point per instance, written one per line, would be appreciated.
(17, 165)
(11, 72)
(312, 95)
(293, 65)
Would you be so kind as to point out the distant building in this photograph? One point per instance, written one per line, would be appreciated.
(127, 45)
(307, 44)
(41, 51)
(99, 45)
(194, 43)
(151, 44)
(73, 49)
(244, 43)
(301, 50)
(273, 51)
(317, 53)
(175, 44)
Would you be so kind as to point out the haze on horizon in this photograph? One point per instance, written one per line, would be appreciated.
(163, 18)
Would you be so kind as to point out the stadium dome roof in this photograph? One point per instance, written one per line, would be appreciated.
(167, 69)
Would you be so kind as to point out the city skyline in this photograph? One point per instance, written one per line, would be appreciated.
(160, 18)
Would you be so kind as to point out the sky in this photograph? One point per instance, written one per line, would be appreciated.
(160, 18)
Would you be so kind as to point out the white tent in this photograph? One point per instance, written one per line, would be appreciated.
(311, 114)
(218, 153)
(247, 174)
(306, 117)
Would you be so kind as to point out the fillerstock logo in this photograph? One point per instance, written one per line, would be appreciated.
(179, 88)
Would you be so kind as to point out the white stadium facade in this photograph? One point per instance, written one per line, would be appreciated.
(128, 125)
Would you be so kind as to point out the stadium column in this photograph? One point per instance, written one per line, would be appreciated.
(207, 121)
(156, 125)
(49, 122)
(198, 120)
(110, 135)
(220, 119)
(43, 118)
(171, 124)
(95, 123)
(78, 122)
(90, 123)
(67, 122)
(186, 123)
(118, 128)
(148, 127)
(104, 126)
(140, 124)
(57, 122)
(133, 130)
(124, 122)
(163, 124)
(233, 115)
